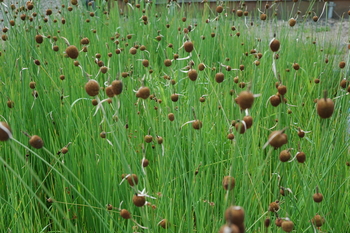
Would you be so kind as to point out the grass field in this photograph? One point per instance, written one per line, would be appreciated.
(177, 132)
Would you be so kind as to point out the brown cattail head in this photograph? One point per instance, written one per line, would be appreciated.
(72, 51)
(5, 131)
(92, 87)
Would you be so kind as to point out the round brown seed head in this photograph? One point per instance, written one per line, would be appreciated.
(64, 150)
(235, 215)
(229, 228)
(341, 64)
(284, 155)
(318, 220)
(301, 157)
(275, 100)
(132, 51)
(145, 63)
(174, 97)
(282, 89)
(188, 46)
(92, 87)
(36, 142)
(197, 124)
(230, 136)
(274, 206)
(248, 121)
(287, 226)
(219, 77)
(148, 138)
(109, 91)
(343, 83)
(94, 102)
(104, 69)
(277, 139)
(267, 222)
(125, 214)
(39, 39)
(133, 180)
(10, 104)
(164, 223)
(274, 45)
(72, 51)
(167, 62)
(139, 201)
(292, 22)
(219, 9)
(144, 162)
(171, 116)
(296, 66)
(239, 13)
(228, 182)
(159, 140)
(143, 92)
(85, 41)
(5, 131)
(192, 74)
(263, 17)
(240, 127)
(117, 87)
(325, 107)
(245, 99)
(318, 197)
(74, 2)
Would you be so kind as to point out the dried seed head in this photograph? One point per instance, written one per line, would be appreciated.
(282, 89)
(164, 223)
(248, 121)
(145, 62)
(343, 83)
(148, 138)
(133, 180)
(39, 39)
(219, 9)
(278, 222)
(274, 45)
(109, 91)
(284, 155)
(318, 220)
(92, 87)
(219, 77)
(117, 87)
(235, 215)
(125, 214)
(188, 46)
(10, 103)
(5, 131)
(267, 222)
(287, 226)
(85, 41)
(228, 182)
(144, 162)
(277, 138)
(245, 99)
(171, 116)
(274, 206)
(192, 74)
(143, 92)
(139, 201)
(275, 100)
(167, 62)
(318, 197)
(296, 66)
(104, 69)
(197, 124)
(72, 52)
(263, 17)
(159, 140)
(229, 228)
(325, 106)
(36, 142)
(64, 150)
(301, 157)
(341, 64)
(239, 13)
(292, 22)
(230, 136)
(240, 127)
(174, 97)
(132, 51)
